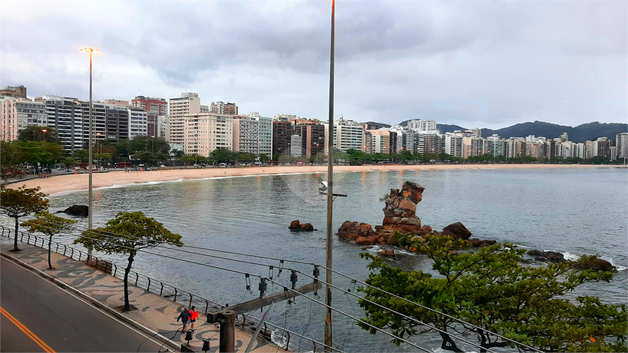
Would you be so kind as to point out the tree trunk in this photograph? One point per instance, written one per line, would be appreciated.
(15, 240)
(126, 284)
(49, 250)
(449, 344)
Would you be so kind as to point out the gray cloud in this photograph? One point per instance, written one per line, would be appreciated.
(485, 64)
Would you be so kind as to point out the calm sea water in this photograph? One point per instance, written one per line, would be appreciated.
(574, 211)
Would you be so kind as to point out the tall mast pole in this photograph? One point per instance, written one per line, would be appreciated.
(330, 188)
(89, 165)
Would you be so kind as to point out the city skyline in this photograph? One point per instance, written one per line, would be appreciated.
(487, 65)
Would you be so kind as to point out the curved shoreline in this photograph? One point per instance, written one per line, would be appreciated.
(77, 182)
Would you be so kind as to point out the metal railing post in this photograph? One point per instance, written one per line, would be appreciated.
(65, 248)
(175, 294)
(115, 269)
(148, 288)
(72, 254)
(161, 291)
(136, 278)
(80, 253)
(189, 306)
(207, 306)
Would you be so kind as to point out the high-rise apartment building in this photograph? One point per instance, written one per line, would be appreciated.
(157, 106)
(188, 103)
(422, 125)
(206, 132)
(65, 114)
(224, 108)
(453, 143)
(18, 113)
(430, 142)
(621, 142)
(138, 123)
(14, 91)
(348, 135)
(281, 137)
(309, 137)
(253, 134)
(378, 141)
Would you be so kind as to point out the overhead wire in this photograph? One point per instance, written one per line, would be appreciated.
(289, 289)
(116, 235)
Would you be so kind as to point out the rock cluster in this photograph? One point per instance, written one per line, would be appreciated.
(77, 210)
(297, 226)
(400, 216)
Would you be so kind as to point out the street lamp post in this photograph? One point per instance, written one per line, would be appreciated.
(330, 190)
(43, 134)
(89, 162)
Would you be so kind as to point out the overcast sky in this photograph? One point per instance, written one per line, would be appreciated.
(475, 64)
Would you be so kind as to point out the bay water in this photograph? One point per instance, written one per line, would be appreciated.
(574, 211)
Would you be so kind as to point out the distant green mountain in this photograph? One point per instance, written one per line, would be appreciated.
(580, 133)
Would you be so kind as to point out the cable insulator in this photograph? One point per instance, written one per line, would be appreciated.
(316, 273)
(271, 269)
(247, 279)
(262, 287)
(293, 279)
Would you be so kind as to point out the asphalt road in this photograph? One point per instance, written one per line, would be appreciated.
(37, 316)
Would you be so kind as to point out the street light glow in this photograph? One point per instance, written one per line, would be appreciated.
(89, 50)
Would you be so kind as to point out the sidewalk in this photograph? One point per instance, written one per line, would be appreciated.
(153, 312)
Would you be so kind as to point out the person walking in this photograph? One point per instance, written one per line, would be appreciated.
(184, 316)
(193, 317)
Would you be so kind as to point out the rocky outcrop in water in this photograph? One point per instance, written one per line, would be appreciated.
(77, 210)
(400, 216)
(297, 226)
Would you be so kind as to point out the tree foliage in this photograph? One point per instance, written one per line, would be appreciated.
(127, 233)
(49, 224)
(36, 133)
(492, 289)
(21, 202)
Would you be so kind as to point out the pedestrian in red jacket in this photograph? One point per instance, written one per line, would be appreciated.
(193, 316)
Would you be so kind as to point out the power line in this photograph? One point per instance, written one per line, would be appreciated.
(117, 235)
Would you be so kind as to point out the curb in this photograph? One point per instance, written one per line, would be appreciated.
(171, 344)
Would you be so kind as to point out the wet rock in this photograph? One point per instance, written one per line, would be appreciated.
(400, 209)
(354, 230)
(77, 210)
(387, 253)
(457, 230)
(596, 264)
(547, 256)
(481, 243)
(297, 226)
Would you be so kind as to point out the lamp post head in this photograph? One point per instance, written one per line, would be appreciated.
(89, 50)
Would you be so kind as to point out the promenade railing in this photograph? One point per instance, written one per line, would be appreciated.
(153, 285)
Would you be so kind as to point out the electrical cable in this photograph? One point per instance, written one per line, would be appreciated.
(259, 264)
(361, 321)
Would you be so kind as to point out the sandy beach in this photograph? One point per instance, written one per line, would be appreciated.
(75, 182)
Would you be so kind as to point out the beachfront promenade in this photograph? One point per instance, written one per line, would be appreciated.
(155, 317)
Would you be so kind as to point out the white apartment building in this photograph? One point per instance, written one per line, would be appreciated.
(18, 113)
(188, 103)
(422, 125)
(138, 122)
(621, 142)
(379, 141)
(163, 127)
(347, 135)
(204, 133)
(453, 143)
(253, 134)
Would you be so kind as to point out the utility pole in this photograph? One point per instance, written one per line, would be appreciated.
(330, 190)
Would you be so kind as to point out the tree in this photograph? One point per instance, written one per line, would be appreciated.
(49, 224)
(126, 234)
(492, 290)
(20, 202)
(37, 133)
(10, 158)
